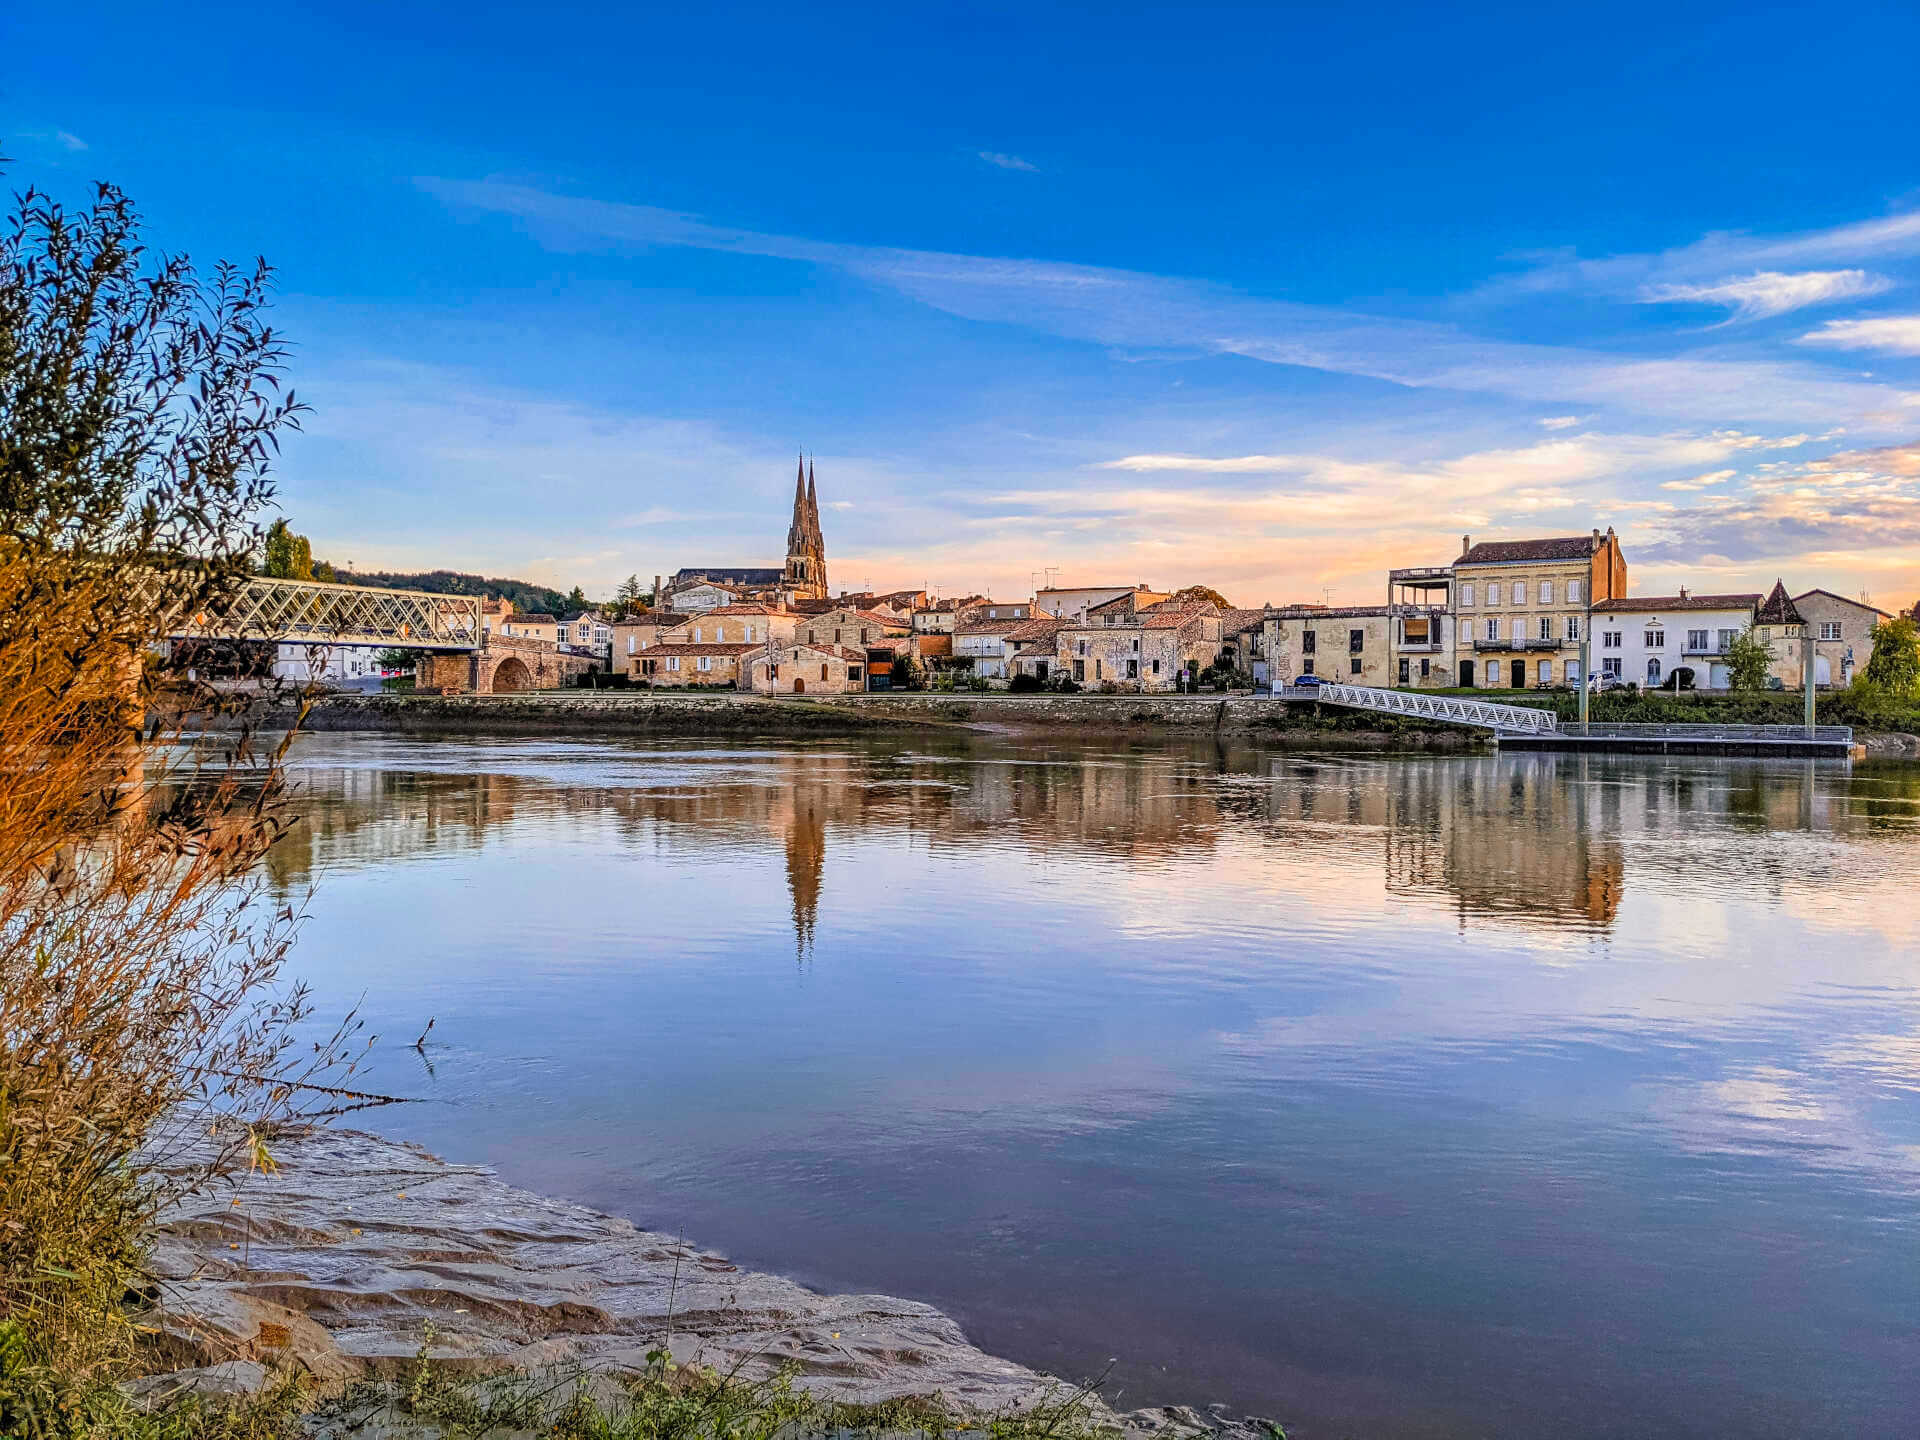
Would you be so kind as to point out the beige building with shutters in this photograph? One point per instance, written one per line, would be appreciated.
(1522, 607)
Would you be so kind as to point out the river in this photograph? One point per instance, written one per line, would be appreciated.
(1515, 1095)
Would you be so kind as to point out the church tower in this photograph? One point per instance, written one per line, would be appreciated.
(806, 574)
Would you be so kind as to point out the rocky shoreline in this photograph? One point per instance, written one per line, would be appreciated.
(361, 1256)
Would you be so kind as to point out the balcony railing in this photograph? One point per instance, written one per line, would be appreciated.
(1522, 645)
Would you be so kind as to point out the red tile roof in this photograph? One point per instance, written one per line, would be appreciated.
(1642, 604)
(1559, 547)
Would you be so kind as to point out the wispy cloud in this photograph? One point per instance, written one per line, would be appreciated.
(1701, 482)
(1130, 309)
(1891, 334)
(1008, 162)
(1770, 292)
(1712, 259)
(1560, 422)
(69, 141)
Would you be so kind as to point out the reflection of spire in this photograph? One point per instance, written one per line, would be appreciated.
(806, 858)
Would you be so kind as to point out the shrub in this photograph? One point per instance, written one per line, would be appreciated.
(139, 408)
(1025, 685)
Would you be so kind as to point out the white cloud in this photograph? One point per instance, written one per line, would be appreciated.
(840, 505)
(1560, 422)
(1008, 162)
(70, 140)
(1770, 292)
(1892, 334)
(1701, 482)
(1129, 309)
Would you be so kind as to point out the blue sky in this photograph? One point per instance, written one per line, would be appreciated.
(1265, 299)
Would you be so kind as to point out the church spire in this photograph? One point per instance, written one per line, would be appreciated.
(797, 530)
(813, 514)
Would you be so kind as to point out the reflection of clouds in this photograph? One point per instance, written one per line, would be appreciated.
(1815, 1117)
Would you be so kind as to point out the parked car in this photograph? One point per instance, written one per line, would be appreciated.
(1306, 682)
(1600, 681)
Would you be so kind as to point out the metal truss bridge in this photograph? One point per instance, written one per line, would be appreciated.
(312, 612)
(1455, 709)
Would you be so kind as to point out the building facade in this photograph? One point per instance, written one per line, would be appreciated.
(1647, 640)
(803, 669)
(1842, 635)
(1522, 607)
(1349, 645)
(1073, 602)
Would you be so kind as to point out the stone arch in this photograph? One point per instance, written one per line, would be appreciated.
(511, 675)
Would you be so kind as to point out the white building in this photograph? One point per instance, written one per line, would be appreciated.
(985, 643)
(1643, 639)
(339, 664)
(1073, 602)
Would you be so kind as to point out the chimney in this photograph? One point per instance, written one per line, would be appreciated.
(659, 594)
(1466, 543)
(1683, 592)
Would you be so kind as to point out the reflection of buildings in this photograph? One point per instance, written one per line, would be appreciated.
(1528, 840)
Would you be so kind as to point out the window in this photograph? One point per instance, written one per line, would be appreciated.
(1696, 642)
(1306, 666)
(823, 672)
(1611, 666)
(696, 634)
(1133, 669)
(1083, 647)
(1573, 672)
(1519, 592)
(1573, 627)
(863, 635)
(1426, 668)
(1079, 670)
(1136, 646)
(1406, 671)
(1546, 592)
(1829, 629)
(1654, 639)
(1356, 641)
(1546, 672)
(1610, 640)
(749, 633)
(1726, 639)
(1466, 596)
(630, 643)
(1096, 669)
(673, 662)
(1546, 628)
(1156, 667)
(1493, 628)
(1653, 670)
(1354, 664)
(1519, 627)
(1573, 592)
(1493, 674)
(706, 662)
(1793, 632)
(1493, 593)
(1307, 641)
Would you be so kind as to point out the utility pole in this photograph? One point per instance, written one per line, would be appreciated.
(1586, 676)
(1806, 640)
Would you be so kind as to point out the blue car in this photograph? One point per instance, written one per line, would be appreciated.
(1305, 682)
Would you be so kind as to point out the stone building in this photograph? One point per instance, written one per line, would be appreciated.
(806, 669)
(1842, 635)
(1147, 650)
(1073, 602)
(1522, 606)
(1348, 644)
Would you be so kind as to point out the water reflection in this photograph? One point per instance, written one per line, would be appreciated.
(1431, 1096)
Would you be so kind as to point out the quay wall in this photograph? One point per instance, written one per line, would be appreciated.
(661, 713)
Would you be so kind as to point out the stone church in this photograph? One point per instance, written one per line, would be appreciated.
(803, 579)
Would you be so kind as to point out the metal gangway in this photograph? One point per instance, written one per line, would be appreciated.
(315, 612)
(1454, 709)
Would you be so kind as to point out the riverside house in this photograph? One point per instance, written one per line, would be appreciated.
(1842, 636)
(1347, 644)
(801, 668)
(1522, 606)
(981, 646)
(1072, 603)
(1125, 646)
(1647, 639)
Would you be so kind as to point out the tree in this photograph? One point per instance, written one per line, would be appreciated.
(576, 599)
(1748, 660)
(1894, 666)
(1203, 592)
(907, 674)
(626, 600)
(140, 407)
(288, 555)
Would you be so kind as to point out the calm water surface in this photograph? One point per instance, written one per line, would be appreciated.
(1517, 1096)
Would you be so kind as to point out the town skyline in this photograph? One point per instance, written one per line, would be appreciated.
(567, 324)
